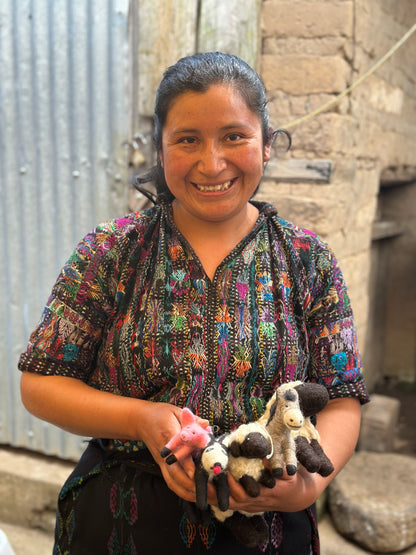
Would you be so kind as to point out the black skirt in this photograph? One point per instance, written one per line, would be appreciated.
(119, 504)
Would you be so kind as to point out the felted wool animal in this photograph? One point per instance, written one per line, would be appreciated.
(250, 529)
(211, 466)
(248, 445)
(313, 398)
(282, 416)
(193, 437)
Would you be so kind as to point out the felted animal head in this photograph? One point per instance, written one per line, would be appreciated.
(251, 441)
(193, 431)
(214, 458)
(284, 407)
(195, 434)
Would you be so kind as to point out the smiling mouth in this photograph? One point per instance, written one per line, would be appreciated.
(220, 187)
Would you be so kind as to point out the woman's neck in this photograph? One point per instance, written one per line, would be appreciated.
(213, 241)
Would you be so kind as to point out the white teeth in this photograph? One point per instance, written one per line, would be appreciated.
(213, 188)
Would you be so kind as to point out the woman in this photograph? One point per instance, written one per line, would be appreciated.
(207, 300)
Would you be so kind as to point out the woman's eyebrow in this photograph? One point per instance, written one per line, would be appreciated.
(184, 130)
(233, 125)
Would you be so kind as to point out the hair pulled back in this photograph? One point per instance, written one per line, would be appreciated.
(198, 73)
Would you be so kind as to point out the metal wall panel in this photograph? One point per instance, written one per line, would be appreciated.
(64, 116)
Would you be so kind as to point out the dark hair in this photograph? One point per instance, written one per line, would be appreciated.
(197, 73)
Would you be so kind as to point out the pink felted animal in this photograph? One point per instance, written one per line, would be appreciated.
(193, 437)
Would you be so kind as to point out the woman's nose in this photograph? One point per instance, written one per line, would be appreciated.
(212, 160)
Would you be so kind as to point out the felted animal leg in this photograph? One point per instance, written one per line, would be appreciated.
(194, 515)
(276, 463)
(201, 484)
(180, 453)
(306, 454)
(326, 467)
(223, 490)
(249, 531)
(191, 511)
(266, 479)
(250, 485)
(277, 472)
(172, 445)
(165, 452)
(171, 459)
(291, 469)
(290, 457)
(262, 530)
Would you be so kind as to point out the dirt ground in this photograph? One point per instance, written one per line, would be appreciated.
(406, 433)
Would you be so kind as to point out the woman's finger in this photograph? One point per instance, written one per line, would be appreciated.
(179, 482)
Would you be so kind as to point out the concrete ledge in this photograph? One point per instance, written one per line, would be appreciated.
(29, 487)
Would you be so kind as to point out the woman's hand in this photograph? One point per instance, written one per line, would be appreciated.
(159, 422)
(290, 494)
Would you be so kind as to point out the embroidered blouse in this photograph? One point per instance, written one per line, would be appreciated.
(133, 313)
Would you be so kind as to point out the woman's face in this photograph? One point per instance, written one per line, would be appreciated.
(212, 153)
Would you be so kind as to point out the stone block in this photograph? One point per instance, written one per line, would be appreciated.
(300, 75)
(326, 135)
(322, 46)
(379, 424)
(372, 501)
(307, 20)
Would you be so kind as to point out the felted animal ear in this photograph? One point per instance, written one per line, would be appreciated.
(187, 417)
(289, 395)
(313, 397)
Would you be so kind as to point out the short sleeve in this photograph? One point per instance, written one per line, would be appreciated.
(333, 347)
(66, 339)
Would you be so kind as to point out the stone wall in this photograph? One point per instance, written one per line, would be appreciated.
(313, 50)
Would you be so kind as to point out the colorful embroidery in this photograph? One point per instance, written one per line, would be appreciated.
(134, 313)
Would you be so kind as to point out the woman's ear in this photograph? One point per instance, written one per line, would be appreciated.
(268, 146)
(160, 156)
(266, 152)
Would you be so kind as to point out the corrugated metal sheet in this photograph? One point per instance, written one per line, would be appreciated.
(64, 115)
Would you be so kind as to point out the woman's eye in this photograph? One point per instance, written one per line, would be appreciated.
(234, 137)
(187, 140)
